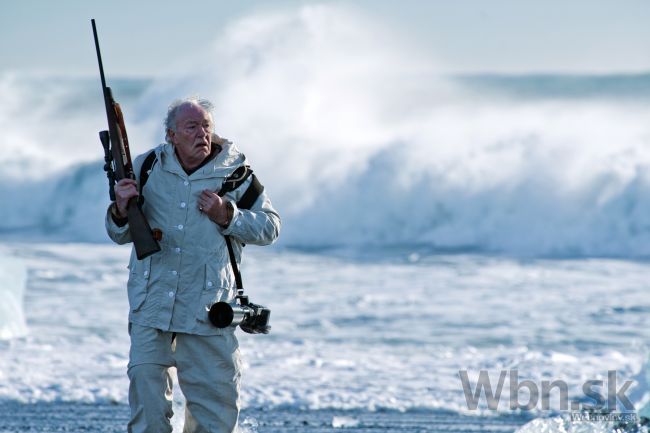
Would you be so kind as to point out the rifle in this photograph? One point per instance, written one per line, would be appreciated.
(119, 166)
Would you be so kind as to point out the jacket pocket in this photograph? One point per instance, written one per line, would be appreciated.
(211, 294)
(140, 272)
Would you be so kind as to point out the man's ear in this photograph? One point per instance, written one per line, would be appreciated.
(170, 135)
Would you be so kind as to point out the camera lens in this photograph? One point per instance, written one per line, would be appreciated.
(221, 314)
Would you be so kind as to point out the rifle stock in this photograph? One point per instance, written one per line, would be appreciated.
(119, 166)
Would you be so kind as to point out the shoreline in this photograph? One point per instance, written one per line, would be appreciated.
(107, 418)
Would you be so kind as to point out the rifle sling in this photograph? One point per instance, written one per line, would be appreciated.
(145, 170)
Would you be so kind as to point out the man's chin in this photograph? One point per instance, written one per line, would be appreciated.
(203, 148)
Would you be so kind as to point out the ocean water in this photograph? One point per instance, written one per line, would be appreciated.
(488, 167)
(432, 224)
(353, 338)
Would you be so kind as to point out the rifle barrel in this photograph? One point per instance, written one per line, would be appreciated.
(99, 57)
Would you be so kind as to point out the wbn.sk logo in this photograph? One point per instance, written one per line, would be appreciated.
(536, 395)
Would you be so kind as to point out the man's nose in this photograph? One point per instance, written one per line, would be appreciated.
(203, 131)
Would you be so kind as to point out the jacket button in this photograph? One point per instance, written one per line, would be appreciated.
(183, 204)
(174, 273)
(171, 294)
(180, 227)
(209, 283)
(178, 250)
(186, 183)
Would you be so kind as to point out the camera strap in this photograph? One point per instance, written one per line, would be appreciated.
(246, 201)
(232, 182)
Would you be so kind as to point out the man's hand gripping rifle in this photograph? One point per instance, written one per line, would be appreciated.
(119, 166)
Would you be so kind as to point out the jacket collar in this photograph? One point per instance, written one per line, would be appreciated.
(222, 165)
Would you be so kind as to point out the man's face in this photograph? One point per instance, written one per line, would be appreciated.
(193, 134)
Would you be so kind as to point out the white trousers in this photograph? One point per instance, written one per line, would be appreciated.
(208, 369)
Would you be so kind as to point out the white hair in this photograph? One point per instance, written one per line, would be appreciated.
(174, 108)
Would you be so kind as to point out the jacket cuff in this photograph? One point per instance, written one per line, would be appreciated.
(120, 222)
(234, 221)
(114, 224)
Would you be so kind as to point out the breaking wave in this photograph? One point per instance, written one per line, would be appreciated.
(361, 140)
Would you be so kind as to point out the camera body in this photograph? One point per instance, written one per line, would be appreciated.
(251, 318)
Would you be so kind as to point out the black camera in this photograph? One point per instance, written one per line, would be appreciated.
(251, 318)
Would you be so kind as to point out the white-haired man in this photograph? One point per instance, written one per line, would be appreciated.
(171, 291)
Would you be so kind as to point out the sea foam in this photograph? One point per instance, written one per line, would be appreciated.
(13, 277)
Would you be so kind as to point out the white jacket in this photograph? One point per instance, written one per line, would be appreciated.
(173, 289)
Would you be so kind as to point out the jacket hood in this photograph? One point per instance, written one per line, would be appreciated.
(222, 165)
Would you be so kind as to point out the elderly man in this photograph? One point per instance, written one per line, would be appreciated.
(171, 291)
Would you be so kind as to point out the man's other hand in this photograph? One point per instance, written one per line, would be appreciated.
(125, 189)
(214, 207)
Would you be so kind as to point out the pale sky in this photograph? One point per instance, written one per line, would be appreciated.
(139, 38)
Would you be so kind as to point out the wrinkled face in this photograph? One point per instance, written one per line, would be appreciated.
(193, 134)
